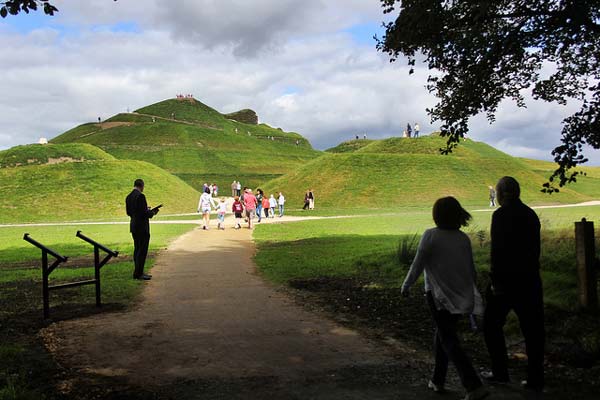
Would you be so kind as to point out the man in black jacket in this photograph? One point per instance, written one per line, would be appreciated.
(515, 284)
(138, 210)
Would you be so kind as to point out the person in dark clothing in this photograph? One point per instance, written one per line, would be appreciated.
(306, 200)
(515, 285)
(140, 213)
(408, 130)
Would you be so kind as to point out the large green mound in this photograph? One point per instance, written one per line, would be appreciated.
(197, 143)
(89, 190)
(35, 154)
(397, 172)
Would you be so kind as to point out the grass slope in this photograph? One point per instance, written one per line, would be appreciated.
(90, 190)
(399, 172)
(50, 153)
(199, 145)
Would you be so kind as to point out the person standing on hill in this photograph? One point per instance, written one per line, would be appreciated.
(311, 200)
(445, 256)
(515, 285)
(417, 130)
(238, 188)
(306, 200)
(408, 130)
(205, 205)
(281, 201)
(139, 226)
(233, 189)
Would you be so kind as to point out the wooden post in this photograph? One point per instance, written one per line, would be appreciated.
(586, 260)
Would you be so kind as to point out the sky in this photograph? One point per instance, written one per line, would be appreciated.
(306, 66)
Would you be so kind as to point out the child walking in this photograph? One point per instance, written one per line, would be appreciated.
(272, 205)
(237, 208)
(445, 255)
(221, 210)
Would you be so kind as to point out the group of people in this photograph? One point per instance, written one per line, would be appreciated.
(410, 132)
(309, 200)
(183, 97)
(248, 205)
(445, 257)
(213, 189)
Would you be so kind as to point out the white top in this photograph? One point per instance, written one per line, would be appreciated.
(281, 199)
(222, 208)
(206, 201)
(272, 202)
(447, 259)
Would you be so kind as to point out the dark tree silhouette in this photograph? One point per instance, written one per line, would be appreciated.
(14, 7)
(481, 52)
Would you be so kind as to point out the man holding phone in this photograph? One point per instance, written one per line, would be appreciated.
(140, 215)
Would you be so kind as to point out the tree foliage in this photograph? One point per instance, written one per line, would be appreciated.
(482, 52)
(14, 7)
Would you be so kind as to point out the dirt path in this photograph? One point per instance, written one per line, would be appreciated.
(207, 315)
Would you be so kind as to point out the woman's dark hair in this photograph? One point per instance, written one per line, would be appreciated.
(260, 191)
(207, 190)
(449, 214)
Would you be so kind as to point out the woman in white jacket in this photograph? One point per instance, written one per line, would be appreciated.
(445, 256)
(205, 205)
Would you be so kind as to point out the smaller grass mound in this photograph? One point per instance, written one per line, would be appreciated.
(350, 146)
(36, 154)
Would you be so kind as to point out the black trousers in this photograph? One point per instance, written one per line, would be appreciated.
(140, 252)
(306, 204)
(447, 347)
(528, 303)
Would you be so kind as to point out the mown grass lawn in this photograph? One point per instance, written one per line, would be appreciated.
(26, 369)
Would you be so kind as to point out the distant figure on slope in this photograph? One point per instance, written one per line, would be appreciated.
(221, 210)
(272, 205)
(233, 189)
(205, 205)
(417, 130)
(99, 120)
(238, 188)
(311, 200)
(492, 196)
(281, 201)
(445, 255)
(515, 285)
(237, 208)
(306, 200)
(408, 130)
(365, 136)
(404, 134)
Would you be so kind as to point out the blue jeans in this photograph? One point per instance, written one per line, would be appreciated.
(281, 210)
(259, 211)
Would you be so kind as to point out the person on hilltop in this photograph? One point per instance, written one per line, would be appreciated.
(281, 202)
(311, 199)
(259, 203)
(515, 285)
(139, 226)
(408, 130)
(237, 208)
(417, 130)
(205, 205)
(250, 204)
(492, 196)
(444, 255)
(272, 205)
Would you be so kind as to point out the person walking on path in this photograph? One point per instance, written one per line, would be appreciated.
(311, 199)
(492, 196)
(237, 208)
(272, 205)
(417, 130)
(221, 211)
(139, 226)
(306, 200)
(445, 256)
(281, 202)
(259, 203)
(266, 205)
(515, 285)
(250, 204)
(205, 205)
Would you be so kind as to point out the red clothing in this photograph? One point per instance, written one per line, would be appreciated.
(250, 201)
(237, 207)
(265, 202)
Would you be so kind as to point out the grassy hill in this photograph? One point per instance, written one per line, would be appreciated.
(90, 189)
(197, 143)
(397, 172)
